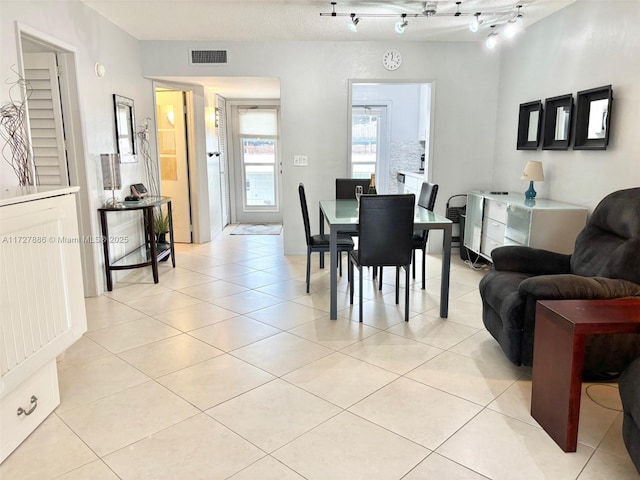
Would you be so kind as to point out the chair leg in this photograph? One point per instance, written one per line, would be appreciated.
(413, 261)
(350, 281)
(406, 294)
(424, 266)
(397, 285)
(360, 282)
(308, 268)
(380, 279)
(340, 263)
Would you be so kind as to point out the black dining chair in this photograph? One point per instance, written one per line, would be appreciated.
(386, 239)
(346, 187)
(427, 200)
(318, 243)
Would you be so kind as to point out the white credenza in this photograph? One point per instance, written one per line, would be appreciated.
(494, 220)
(41, 303)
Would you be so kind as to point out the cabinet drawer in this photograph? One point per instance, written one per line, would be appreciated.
(15, 428)
(493, 229)
(496, 210)
(411, 184)
(488, 245)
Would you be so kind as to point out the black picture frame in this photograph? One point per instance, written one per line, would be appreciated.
(529, 125)
(593, 118)
(125, 128)
(558, 119)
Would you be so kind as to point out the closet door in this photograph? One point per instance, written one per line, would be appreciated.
(45, 119)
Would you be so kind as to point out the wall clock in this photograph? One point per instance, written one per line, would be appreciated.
(391, 60)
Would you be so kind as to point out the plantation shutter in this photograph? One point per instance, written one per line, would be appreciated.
(222, 148)
(45, 119)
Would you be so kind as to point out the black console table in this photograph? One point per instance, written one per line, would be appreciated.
(146, 255)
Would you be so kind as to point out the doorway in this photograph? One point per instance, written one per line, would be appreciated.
(255, 162)
(391, 125)
(174, 154)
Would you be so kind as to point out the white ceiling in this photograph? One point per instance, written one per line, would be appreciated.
(261, 20)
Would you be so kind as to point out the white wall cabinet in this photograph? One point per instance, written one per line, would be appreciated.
(494, 220)
(41, 304)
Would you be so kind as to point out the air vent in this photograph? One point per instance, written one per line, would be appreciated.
(208, 57)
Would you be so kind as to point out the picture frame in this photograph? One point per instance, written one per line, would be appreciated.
(558, 118)
(529, 125)
(593, 118)
(125, 128)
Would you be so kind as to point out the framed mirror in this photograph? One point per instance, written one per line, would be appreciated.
(593, 118)
(529, 123)
(556, 132)
(125, 128)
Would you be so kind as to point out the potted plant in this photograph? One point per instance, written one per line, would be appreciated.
(160, 226)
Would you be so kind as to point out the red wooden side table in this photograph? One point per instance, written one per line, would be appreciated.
(558, 357)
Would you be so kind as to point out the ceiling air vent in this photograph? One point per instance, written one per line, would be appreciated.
(208, 57)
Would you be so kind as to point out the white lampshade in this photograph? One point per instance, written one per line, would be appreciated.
(533, 172)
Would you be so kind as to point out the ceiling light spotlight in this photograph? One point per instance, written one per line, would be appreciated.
(514, 25)
(475, 22)
(353, 24)
(492, 39)
(401, 24)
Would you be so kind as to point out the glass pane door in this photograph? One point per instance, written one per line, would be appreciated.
(365, 140)
(259, 168)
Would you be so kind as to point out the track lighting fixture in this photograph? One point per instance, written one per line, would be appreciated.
(492, 38)
(507, 21)
(401, 24)
(353, 24)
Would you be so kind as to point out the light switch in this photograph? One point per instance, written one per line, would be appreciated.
(300, 161)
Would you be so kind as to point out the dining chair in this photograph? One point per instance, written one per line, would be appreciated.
(386, 239)
(427, 200)
(346, 187)
(318, 243)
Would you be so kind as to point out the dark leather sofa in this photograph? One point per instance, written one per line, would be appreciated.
(629, 385)
(605, 265)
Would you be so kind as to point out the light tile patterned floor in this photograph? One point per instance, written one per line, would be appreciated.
(227, 369)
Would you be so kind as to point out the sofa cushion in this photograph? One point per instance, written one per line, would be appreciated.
(608, 246)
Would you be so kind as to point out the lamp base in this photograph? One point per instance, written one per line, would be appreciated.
(531, 193)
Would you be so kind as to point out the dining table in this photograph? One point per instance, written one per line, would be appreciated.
(343, 216)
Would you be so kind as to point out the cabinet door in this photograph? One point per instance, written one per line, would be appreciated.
(518, 224)
(41, 286)
(473, 224)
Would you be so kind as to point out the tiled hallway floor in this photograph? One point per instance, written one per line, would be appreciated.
(227, 369)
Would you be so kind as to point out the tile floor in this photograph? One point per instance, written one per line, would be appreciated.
(227, 369)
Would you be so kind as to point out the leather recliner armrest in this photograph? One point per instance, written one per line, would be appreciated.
(534, 261)
(576, 287)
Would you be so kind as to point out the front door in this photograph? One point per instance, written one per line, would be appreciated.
(256, 163)
(174, 165)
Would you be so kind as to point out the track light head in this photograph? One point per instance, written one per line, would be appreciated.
(492, 38)
(353, 24)
(401, 24)
(475, 22)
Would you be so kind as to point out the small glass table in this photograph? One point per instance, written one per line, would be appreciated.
(148, 254)
(343, 215)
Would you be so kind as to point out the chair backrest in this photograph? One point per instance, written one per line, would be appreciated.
(346, 187)
(305, 213)
(386, 229)
(428, 194)
(609, 245)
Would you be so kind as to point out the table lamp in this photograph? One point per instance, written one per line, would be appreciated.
(111, 176)
(533, 173)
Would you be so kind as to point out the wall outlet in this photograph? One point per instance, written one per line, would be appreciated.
(300, 161)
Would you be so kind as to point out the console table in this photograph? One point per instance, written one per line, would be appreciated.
(147, 254)
(494, 219)
(558, 357)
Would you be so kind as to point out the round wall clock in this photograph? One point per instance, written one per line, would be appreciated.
(392, 59)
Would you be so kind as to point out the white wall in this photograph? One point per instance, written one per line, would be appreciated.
(95, 40)
(314, 106)
(588, 44)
